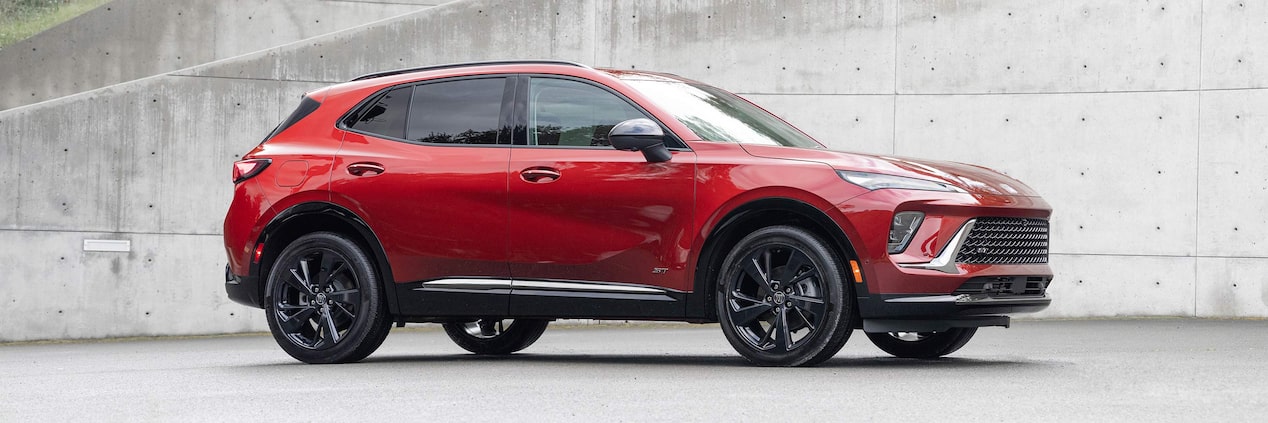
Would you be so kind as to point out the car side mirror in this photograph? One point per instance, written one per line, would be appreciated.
(640, 135)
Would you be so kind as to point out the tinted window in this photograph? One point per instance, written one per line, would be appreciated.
(563, 112)
(456, 112)
(386, 116)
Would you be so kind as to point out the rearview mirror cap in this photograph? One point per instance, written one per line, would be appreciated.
(640, 135)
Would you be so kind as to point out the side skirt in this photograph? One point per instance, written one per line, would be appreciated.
(443, 299)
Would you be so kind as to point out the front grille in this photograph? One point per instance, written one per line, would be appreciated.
(1004, 286)
(1006, 240)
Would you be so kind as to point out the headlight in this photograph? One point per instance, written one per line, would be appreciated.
(875, 181)
(902, 229)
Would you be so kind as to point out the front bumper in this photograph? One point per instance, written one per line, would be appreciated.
(926, 287)
(982, 301)
(955, 305)
(936, 313)
(929, 264)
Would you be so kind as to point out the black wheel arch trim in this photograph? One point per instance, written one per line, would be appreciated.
(699, 304)
(279, 225)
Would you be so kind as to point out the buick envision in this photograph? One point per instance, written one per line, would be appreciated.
(495, 197)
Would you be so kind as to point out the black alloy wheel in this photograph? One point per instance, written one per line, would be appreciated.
(325, 304)
(784, 299)
(495, 336)
(923, 345)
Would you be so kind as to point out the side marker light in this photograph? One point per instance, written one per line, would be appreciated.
(858, 274)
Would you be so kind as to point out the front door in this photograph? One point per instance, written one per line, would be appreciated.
(594, 232)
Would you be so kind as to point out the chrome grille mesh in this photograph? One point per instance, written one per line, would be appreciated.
(1006, 240)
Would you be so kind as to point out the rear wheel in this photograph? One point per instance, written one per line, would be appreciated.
(784, 300)
(495, 336)
(325, 304)
(924, 345)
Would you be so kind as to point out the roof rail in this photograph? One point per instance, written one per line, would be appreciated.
(466, 64)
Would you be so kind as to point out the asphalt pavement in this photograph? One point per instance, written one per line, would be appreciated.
(1116, 370)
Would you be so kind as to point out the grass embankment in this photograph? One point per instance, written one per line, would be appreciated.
(20, 19)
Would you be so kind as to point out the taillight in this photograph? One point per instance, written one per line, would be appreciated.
(245, 169)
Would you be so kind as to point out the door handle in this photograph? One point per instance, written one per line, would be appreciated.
(539, 174)
(361, 168)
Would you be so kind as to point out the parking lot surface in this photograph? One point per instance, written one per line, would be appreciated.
(1116, 370)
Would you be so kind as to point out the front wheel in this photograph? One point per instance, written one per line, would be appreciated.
(925, 345)
(495, 336)
(325, 304)
(784, 300)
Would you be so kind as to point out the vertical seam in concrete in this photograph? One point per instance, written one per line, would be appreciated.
(1197, 162)
(594, 25)
(215, 42)
(124, 145)
(17, 211)
(893, 138)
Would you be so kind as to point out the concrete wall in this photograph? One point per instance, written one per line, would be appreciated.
(130, 39)
(1141, 122)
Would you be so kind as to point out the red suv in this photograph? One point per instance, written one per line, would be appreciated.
(495, 197)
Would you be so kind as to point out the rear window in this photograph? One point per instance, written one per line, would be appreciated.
(456, 112)
(466, 111)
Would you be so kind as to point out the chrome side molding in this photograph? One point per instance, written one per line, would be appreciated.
(489, 284)
(465, 284)
(583, 287)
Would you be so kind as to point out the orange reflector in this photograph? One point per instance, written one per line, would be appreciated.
(858, 274)
(259, 250)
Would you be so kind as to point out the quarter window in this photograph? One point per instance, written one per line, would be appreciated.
(386, 117)
(571, 113)
(456, 112)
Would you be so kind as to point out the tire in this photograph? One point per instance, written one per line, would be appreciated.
(495, 336)
(923, 345)
(324, 301)
(783, 299)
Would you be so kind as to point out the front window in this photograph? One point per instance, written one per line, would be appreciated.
(717, 115)
(570, 113)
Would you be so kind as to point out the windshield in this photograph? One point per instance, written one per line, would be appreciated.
(717, 115)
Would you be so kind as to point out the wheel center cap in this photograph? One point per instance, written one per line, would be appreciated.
(321, 298)
(779, 297)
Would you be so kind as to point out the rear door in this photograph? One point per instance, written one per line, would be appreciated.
(594, 232)
(425, 166)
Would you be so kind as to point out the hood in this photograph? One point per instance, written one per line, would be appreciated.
(974, 179)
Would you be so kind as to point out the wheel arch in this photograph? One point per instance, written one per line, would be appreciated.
(317, 216)
(750, 217)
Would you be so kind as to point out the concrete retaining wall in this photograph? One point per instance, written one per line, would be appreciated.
(130, 39)
(1142, 123)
